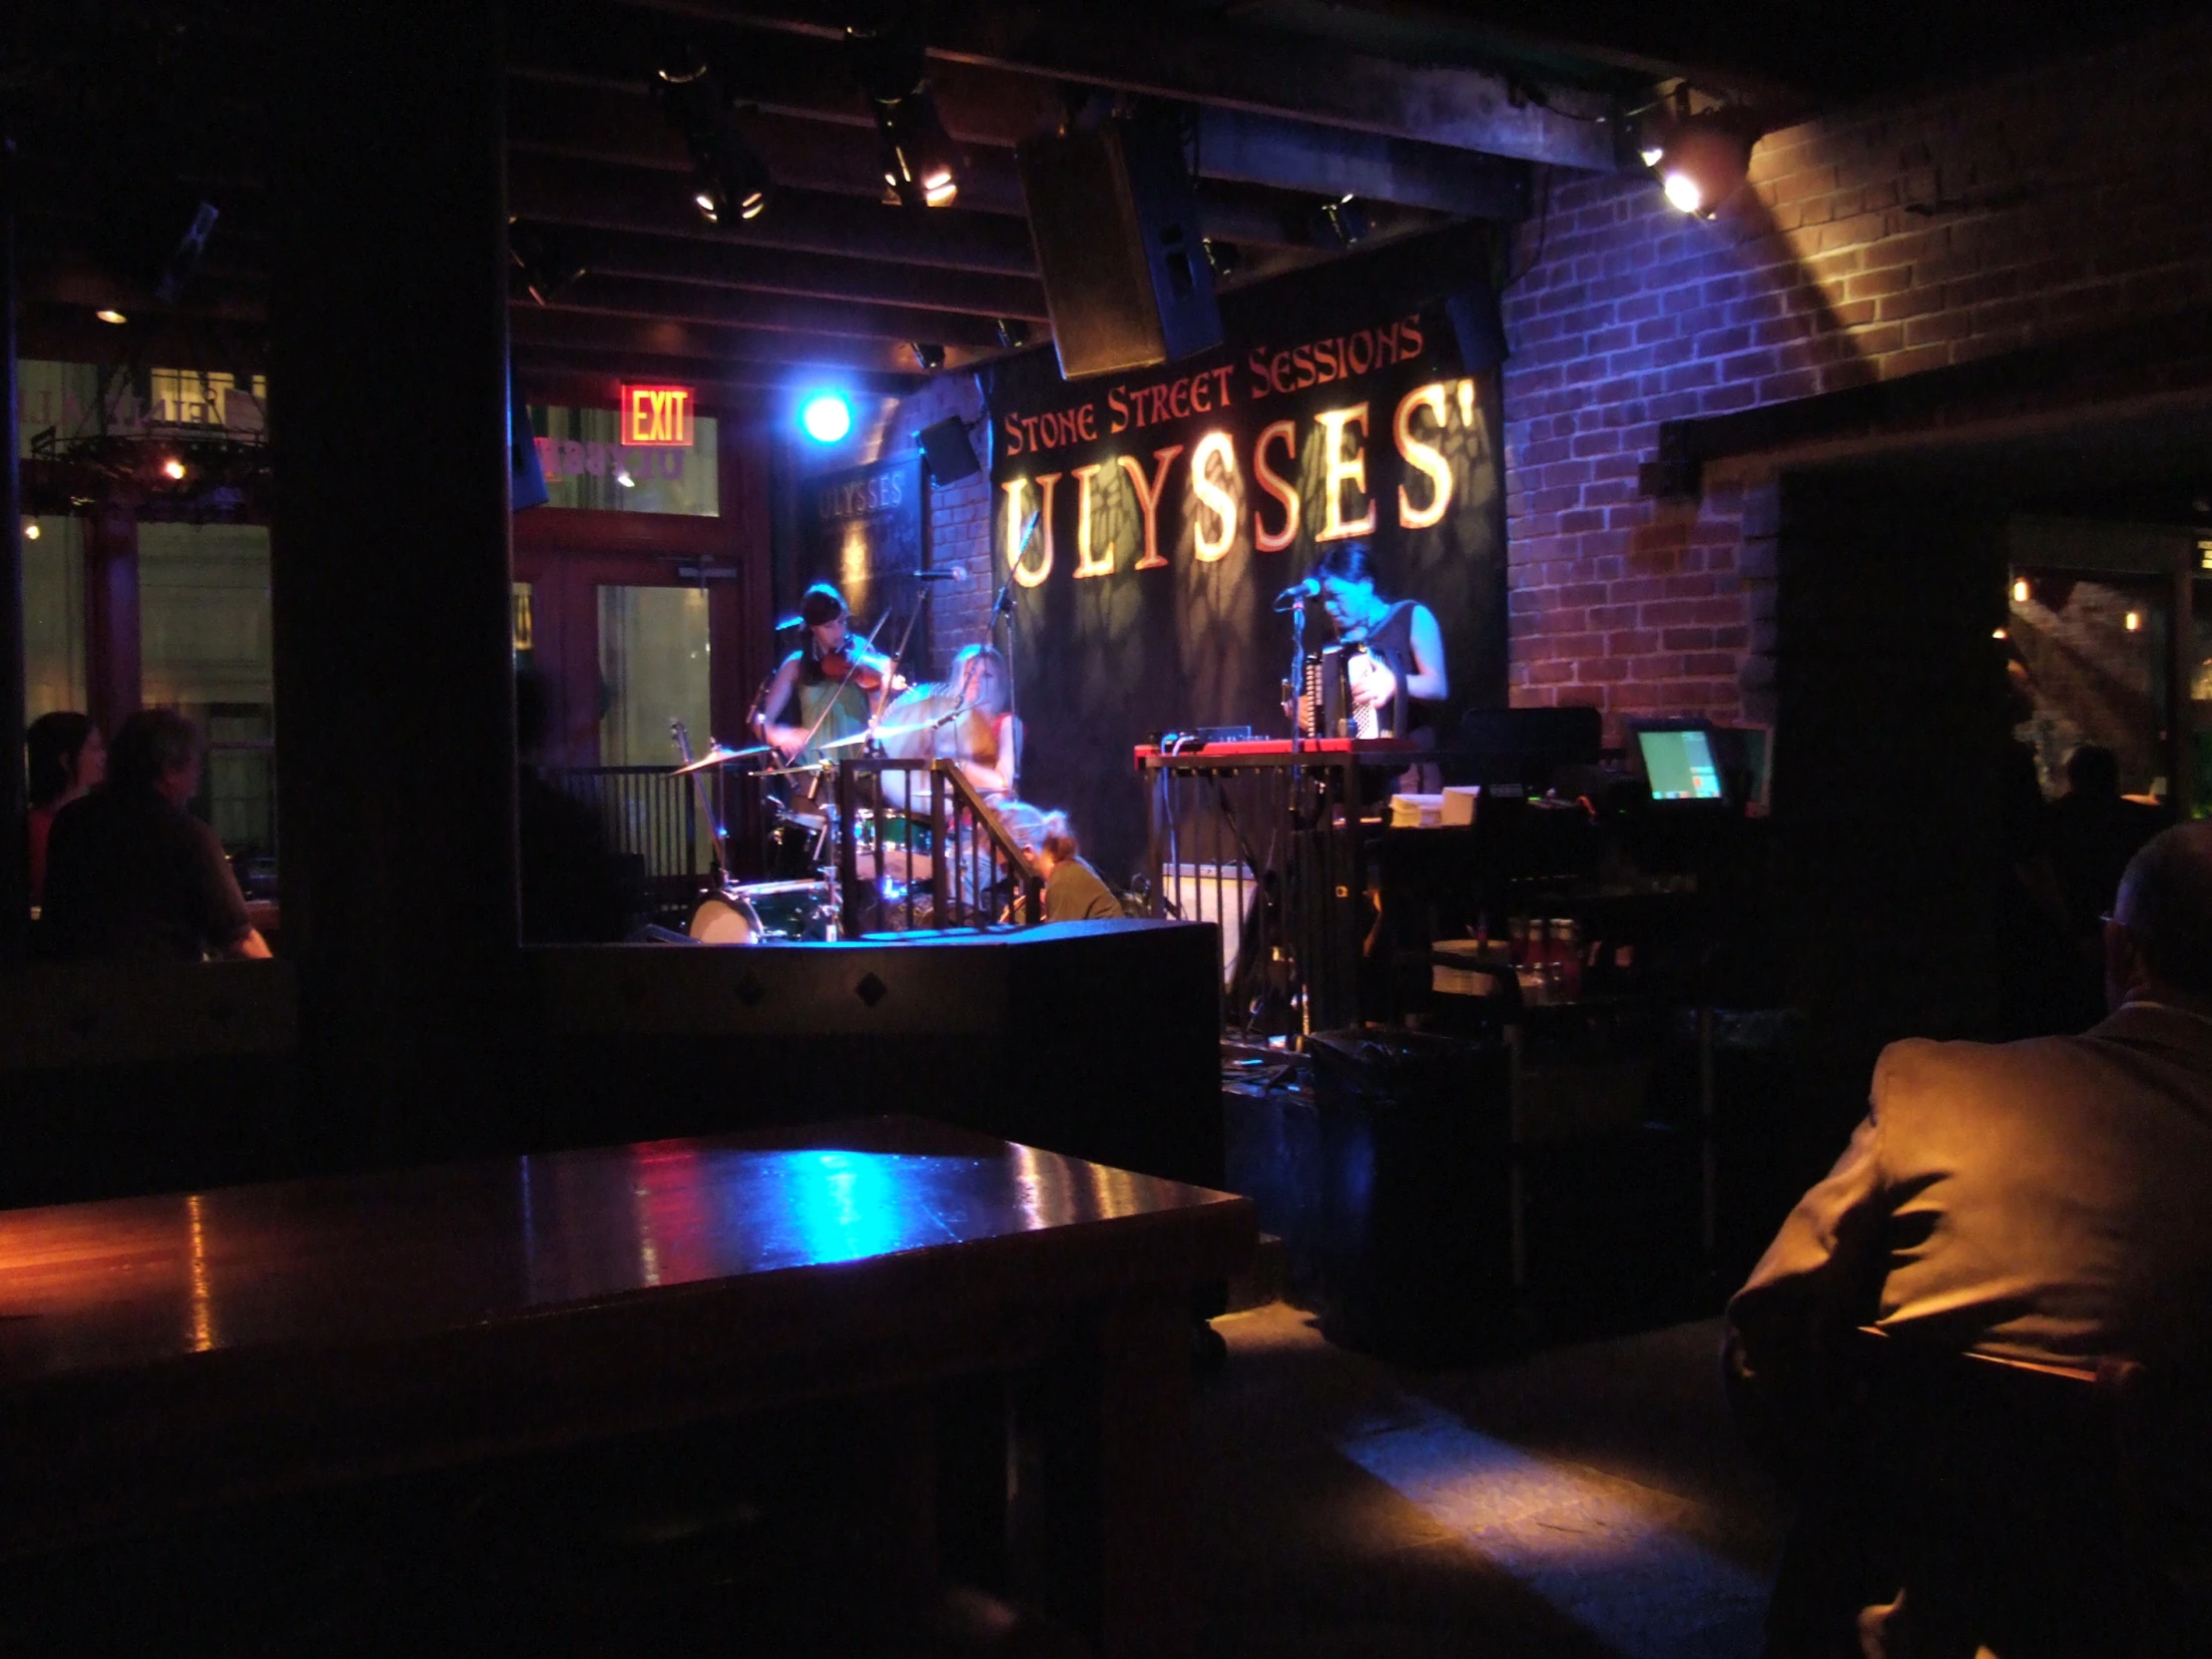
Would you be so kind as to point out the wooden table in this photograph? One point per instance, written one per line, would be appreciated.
(161, 1355)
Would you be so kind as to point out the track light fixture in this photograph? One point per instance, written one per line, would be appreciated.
(1701, 157)
(1013, 332)
(541, 257)
(1343, 221)
(930, 356)
(728, 181)
(922, 164)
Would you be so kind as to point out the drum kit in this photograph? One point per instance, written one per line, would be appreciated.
(804, 901)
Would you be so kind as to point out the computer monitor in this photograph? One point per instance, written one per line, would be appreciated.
(1678, 762)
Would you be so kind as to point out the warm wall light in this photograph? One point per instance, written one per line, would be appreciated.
(110, 317)
(30, 529)
(2019, 591)
(1703, 158)
(173, 469)
(2134, 622)
(1998, 633)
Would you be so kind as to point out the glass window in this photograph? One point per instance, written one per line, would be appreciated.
(53, 616)
(585, 466)
(653, 662)
(203, 647)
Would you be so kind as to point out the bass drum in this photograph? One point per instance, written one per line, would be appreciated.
(761, 911)
(724, 918)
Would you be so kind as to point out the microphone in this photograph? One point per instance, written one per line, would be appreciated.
(1003, 605)
(950, 573)
(1298, 592)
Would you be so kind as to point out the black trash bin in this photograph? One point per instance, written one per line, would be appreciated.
(1416, 1225)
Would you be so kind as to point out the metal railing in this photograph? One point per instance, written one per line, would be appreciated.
(652, 824)
(920, 847)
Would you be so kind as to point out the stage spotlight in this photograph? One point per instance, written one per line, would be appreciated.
(826, 416)
(922, 164)
(930, 356)
(1704, 158)
(543, 259)
(1013, 332)
(114, 317)
(728, 179)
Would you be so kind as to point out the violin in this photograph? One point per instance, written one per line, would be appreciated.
(856, 664)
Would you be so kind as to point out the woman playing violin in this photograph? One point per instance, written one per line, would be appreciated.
(827, 689)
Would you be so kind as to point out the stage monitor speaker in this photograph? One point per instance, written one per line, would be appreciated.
(945, 451)
(1114, 216)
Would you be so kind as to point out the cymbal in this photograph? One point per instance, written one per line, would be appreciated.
(720, 757)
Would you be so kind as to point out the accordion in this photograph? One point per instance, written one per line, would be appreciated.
(1324, 706)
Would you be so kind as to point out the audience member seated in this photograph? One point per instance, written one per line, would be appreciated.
(131, 875)
(66, 762)
(1074, 891)
(2047, 1201)
(2095, 830)
(572, 892)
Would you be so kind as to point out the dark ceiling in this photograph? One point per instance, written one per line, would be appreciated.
(1425, 111)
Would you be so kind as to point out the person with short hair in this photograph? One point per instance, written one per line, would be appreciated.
(1074, 891)
(131, 875)
(2047, 1201)
(64, 760)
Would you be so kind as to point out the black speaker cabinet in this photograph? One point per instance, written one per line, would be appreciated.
(1115, 221)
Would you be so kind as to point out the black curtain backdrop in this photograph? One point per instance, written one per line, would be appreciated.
(1134, 645)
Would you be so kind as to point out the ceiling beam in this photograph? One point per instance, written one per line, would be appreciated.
(1150, 50)
(1331, 162)
(818, 276)
(725, 348)
(549, 374)
(828, 318)
(625, 128)
(808, 75)
(557, 189)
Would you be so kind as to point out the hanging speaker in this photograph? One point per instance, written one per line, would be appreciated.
(945, 451)
(1114, 218)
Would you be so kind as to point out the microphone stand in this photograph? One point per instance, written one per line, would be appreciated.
(1297, 668)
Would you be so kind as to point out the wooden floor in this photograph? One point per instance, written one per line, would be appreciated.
(1584, 1500)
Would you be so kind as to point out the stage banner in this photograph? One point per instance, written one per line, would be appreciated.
(1144, 523)
(865, 530)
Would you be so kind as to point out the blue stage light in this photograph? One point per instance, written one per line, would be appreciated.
(826, 417)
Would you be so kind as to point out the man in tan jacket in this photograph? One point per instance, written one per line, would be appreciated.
(2047, 1201)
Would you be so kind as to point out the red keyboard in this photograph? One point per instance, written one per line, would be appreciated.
(1383, 749)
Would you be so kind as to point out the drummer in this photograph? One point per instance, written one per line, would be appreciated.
(825, 690)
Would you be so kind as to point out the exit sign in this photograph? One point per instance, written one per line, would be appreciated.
(656, 416)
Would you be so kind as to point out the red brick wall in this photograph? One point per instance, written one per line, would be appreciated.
(1870, 244)
(959, 519)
